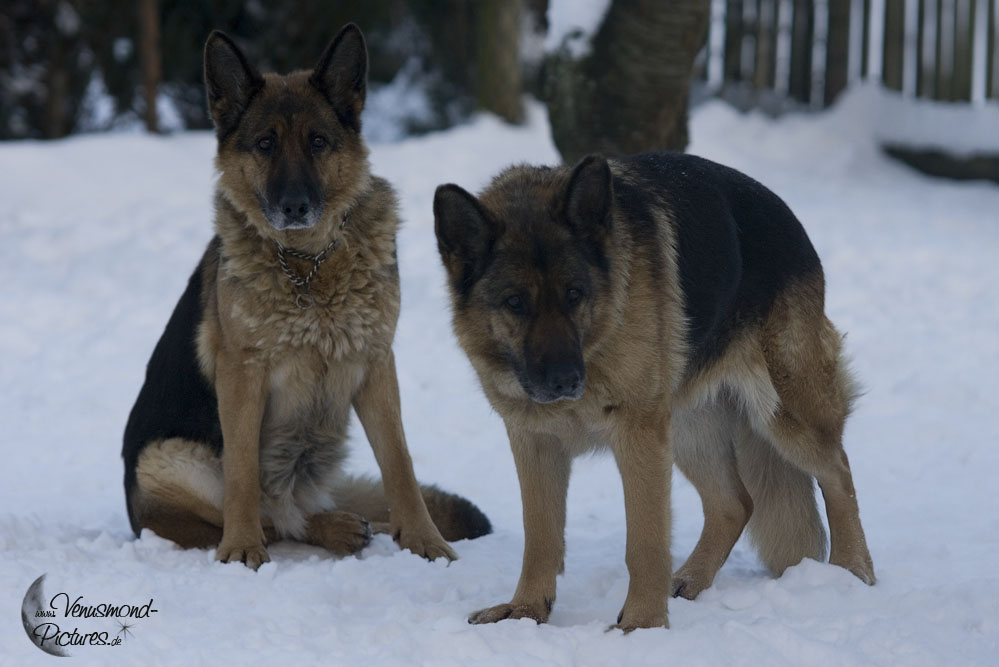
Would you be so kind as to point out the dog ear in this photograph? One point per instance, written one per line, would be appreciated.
(589, 196)
(230, 80)
(465, 235)
(341, 75)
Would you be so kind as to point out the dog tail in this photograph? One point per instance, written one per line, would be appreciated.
(785, 526)
(456, 518)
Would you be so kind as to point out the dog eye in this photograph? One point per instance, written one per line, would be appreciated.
(265, 144)
(516, 303)
(573, 296)
(319, 142)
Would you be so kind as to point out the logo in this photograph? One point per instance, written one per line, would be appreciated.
(65, 621)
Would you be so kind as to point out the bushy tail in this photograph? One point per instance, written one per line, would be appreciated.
(785, 526)
(456, 517)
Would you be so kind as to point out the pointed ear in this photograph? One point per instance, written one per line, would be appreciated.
(342, 73)
(230, 81)
(590, 196)
(465, 235)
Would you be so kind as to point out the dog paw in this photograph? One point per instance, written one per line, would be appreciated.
(865, 574)
(688, 584)
(252, 556)
(429, 544)
(536, 612)
(243, 543)
(343, 533)
(861, 567)
(628, 621)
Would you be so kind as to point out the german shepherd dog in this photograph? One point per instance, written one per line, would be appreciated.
(238, 434)
(666, 306)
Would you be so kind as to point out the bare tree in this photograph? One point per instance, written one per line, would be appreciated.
(149, 56)
(630, 93)
(498, 81)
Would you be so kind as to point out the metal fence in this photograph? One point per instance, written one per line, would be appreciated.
(810, 50)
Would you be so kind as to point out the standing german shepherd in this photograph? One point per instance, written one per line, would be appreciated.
(238, 433)
(646, 302)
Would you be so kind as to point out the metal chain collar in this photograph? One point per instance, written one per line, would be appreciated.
(305, 300)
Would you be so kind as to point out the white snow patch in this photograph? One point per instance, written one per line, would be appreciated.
(98, 235)
(891, 118)
(390, 107)
(574, 22)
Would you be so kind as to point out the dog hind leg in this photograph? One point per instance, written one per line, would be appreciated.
(178, 493)
(803, 353)
(703, 452)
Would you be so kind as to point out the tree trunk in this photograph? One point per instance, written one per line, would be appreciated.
(498, 84)
(56, 85)
(630, 93)
(149, 55)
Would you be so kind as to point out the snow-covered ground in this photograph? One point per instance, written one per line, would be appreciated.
(98, 235)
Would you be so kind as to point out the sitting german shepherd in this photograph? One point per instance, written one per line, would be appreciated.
(238, 434)
(671, 308)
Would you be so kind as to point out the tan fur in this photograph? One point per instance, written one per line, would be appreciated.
(268, 357)
(750, 428)
(629, 380)
(285, 377)
(179, 493)
(803, 352)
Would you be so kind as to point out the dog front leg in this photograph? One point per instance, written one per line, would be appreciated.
(377, 406)
(239, 384)
(543, 468)
(642, 451)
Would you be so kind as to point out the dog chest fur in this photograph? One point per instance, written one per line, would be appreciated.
(314, 357)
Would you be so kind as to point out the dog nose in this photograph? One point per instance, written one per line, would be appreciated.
(564, 380)
(295, 208)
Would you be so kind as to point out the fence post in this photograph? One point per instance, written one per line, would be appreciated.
(801, 50)
(837, 49)
(733, 41)
(980, 37)
(782, 60)
(875, 41)
(820, 35)
(927, 49)
(994, 44)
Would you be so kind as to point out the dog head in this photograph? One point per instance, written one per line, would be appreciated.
(528, 266)
(290, 151)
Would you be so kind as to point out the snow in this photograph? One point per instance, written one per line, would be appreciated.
(574, 23)
(390, 107)
(98, 235)
(956, 129)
